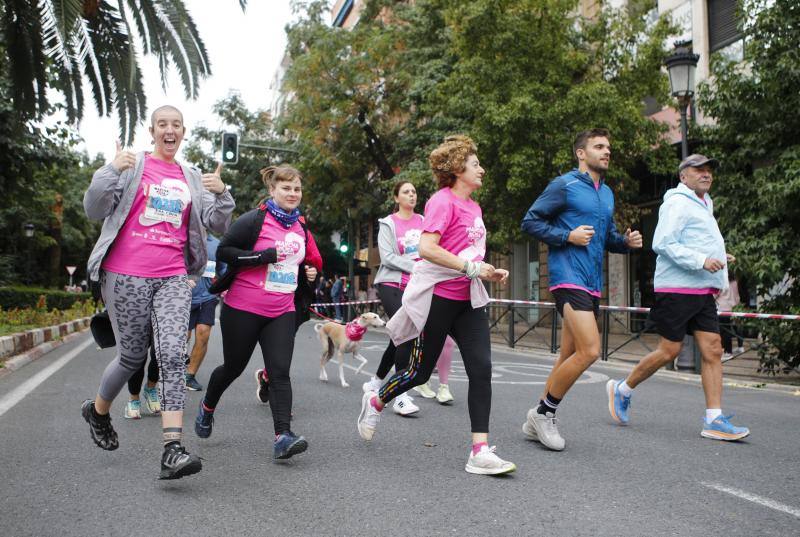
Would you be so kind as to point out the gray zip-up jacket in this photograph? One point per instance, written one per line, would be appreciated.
(393, 263)
(110, 197)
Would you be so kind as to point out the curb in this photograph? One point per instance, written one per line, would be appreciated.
(25, 347)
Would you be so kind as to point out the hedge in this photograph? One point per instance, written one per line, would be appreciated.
(28, 297)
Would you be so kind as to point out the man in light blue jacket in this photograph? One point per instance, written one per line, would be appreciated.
(691, 267)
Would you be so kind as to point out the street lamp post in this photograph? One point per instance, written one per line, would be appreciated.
(681, 65)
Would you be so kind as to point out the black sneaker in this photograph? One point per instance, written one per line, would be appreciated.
(177, 463)
(100, 428)
(262, 392)
(204, 422)
(287, 445)
(192, 385)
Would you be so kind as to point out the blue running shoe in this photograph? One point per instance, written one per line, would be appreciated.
(204, 422)
(287, 445)
(617, 404)
(722, 429)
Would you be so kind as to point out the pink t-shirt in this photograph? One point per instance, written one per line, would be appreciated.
(407, 233)
(150, 242)
(460, 224)
(269, 290)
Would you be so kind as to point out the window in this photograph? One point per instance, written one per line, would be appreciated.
(723, 24)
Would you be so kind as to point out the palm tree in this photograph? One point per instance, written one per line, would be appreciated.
(59, 43)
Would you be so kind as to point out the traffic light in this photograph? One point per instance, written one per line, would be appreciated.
(344, 247)
(230, 148)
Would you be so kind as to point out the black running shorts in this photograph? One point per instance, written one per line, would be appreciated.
(676, 314)
(578, 299)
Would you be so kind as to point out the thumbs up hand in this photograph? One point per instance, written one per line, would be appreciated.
(213, 182)
(123, 159)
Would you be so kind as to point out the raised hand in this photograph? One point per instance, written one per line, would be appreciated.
(633, 239)
(123, 159)
(213, 181)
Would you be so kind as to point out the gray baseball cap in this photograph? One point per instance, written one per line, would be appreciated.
(697, 160)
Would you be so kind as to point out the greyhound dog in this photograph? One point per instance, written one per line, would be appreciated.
(339, 338)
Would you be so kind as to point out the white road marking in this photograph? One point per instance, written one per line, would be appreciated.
(766, 502)
(16, 395)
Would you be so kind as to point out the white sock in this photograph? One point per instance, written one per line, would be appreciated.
(624, 389)
(712, 413)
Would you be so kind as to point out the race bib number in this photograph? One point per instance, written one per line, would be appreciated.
(281, 278)
(211, 269)
(163, 205)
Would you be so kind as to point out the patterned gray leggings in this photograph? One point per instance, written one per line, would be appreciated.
(134, 303)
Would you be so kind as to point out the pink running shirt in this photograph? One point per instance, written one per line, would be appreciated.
(269, 290)
(460, 224)
(407, 233)
(151, 241)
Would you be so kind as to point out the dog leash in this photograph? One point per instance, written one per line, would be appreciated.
(318, 314)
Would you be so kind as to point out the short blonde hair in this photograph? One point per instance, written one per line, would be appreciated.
(272, 175)
(450, 158)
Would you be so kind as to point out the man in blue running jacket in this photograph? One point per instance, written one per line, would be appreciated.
(574, 216)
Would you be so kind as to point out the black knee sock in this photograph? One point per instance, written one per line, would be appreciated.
(548, 404)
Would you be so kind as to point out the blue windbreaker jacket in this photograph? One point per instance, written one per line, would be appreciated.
(570, 201)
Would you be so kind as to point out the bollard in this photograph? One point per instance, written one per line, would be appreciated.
(511, 325)
(604, 348)
(554, 333)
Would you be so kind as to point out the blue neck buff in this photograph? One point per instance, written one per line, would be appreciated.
(286, 219)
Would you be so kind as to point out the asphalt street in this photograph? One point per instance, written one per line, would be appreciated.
(654, 477)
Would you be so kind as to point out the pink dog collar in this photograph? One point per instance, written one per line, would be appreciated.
(354, 331)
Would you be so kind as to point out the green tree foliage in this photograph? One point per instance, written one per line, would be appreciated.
(758, 187)
(57, 44)
(521, 77)
(38, 166)
(254, 128)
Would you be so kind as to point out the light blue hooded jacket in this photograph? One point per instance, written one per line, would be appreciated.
(686, 235)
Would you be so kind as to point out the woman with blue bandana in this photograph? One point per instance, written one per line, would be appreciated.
(265, 250)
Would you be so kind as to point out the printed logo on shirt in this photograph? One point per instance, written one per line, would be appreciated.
(165, 203)
(476, 234)
(410, 242)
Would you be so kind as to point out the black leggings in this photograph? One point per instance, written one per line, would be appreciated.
(241, 330)
(470, 329)
(392, 298)
(135, 382)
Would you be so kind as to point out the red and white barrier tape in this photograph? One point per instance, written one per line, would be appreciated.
(737, 314)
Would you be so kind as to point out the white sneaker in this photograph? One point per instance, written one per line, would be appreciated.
(543, 428)
(404, 405)
(726, 356)
(133, 409)
(738, 350)
(444, 396)
(369, 418)
(425, 391)
(372, 385)
(485, 462)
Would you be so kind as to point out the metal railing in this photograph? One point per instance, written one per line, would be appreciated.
(511, 312)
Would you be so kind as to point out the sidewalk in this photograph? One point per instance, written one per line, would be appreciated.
(741, 371)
